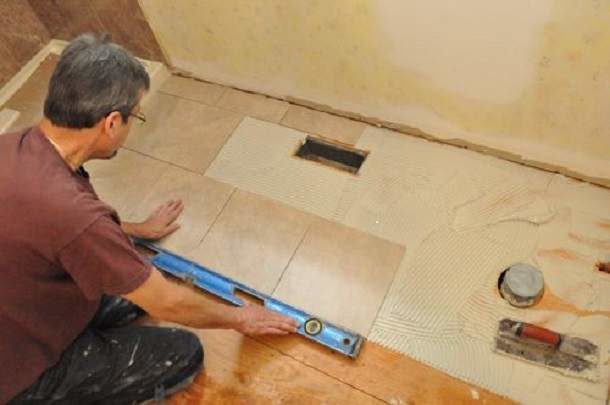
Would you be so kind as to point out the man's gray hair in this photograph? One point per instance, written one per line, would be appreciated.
(93, 78)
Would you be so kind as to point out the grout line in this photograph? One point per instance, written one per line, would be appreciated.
(163, 161)
(216, 218)
(224, 143)
(323, 372)
(292, 256)
(284, 115)
(164, 92)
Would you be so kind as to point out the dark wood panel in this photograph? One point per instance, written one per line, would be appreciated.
(123, 19)
(22, 35)
(126, 22)
(65, 19)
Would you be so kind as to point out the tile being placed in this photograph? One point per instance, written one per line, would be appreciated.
(258, 157)
(203, 199)
(254, 105)
(123, 181)
(191, 89)
(253, 240)
(323, 124)
(340, 274)
(183, 132)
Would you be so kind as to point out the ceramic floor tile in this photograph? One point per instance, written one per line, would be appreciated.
(323, 124)
(122, 182)
(253, 240)
(254, 105)
(207, 93)
(203, 199)
(340, 274)
(7, 118)
(183, 132)
(29, 99)
(258, 157)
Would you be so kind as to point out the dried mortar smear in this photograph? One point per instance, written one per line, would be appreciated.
(463, 218)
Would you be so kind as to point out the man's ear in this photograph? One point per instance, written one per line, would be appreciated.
(112, 122)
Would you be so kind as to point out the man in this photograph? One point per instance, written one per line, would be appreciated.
(70, 276)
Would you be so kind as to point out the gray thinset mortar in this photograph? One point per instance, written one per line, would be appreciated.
(463, 218)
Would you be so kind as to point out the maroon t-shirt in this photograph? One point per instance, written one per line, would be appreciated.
(61, 249)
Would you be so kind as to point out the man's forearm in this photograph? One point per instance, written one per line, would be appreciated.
(131, 229)
(181, 304)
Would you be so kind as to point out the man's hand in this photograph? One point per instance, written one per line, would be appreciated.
(159, 224)
(172, 301)
(256, 320)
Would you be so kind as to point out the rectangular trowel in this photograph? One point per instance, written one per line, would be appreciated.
(568, 355)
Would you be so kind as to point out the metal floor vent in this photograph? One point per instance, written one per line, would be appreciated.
(331, 154)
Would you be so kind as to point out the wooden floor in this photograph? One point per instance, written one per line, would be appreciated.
(293, 370)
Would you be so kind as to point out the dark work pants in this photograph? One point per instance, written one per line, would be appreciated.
(113, 362)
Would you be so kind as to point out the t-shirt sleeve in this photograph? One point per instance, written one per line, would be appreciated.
(103, 260)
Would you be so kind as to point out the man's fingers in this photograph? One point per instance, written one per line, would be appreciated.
(287, 327)
(283, 319)
(270, 331)
(176, 210)
(172, 228)
(162, 208)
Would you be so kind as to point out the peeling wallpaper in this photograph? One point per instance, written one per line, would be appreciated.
(530, 78)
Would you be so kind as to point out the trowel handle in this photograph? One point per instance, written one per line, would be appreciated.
(527, 330)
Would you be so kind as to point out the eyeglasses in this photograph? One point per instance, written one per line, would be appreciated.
(139, 116)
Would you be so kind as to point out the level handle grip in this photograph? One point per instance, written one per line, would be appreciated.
(540, 334)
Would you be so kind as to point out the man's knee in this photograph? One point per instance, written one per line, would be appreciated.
(191, 349)
(196, 348)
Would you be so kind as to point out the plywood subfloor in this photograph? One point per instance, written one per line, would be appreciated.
(292, 370)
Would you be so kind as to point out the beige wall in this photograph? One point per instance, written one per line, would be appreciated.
(530, 77)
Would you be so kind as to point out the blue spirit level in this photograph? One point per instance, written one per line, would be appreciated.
(324, 333)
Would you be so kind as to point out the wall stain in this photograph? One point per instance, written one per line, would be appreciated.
(335, 53)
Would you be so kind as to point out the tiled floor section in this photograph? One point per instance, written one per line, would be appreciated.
(254, 105)
(187, 133)
(203, 199)
(123, 180)
(340, 274)
(323, 124)
(409, 192)
(253, 240)
(202, 92)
